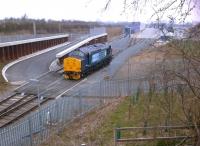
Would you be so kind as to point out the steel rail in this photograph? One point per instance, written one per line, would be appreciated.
(13, 104)
(22, 114)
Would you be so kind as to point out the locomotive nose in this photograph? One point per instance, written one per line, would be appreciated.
(72, 64)
(72, 68)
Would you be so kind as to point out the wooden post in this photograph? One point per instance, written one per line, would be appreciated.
(115, 140)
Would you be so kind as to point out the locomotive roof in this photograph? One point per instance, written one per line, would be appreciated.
(92, 48)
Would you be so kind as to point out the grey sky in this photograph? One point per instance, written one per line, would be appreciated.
(89, 10)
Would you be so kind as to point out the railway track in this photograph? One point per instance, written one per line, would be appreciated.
(25, 100)
(17, 106)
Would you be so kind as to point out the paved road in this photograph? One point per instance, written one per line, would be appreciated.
(34, 66)
(52, 83)
(91, 87)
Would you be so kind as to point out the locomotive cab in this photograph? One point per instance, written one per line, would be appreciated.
(72, 68)
(73, 65)
(85, 60)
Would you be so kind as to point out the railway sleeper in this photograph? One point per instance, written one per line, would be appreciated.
(3, 124)
(10, 106)
(17, 107)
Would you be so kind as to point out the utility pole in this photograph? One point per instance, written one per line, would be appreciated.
(34, 28)
(59, 27)
(129, 77)
(40, 98)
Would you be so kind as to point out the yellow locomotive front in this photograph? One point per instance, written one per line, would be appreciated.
(85, 60)
(72, 68)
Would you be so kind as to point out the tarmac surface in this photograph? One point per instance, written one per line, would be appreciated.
(34, 66)
(52, 84)
(100, 83)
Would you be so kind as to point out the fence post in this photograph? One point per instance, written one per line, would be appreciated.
(117, 135)
(100, 88)
(3, 54)
(115, 140)
(60, 116)
(128, 93)
(145, 130)
(80, 103)
(30, 131)
(40, 120)
(63, 112)
(57, 116)
(100, 94)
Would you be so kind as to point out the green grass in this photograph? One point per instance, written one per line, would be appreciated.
(114, 119)
(154, 112)
(188, 47)
(129, 114)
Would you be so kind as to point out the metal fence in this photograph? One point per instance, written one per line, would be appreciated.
(150, 134)
(111, 88)
(37, 127)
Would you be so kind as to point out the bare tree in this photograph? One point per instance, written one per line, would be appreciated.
(176, 10)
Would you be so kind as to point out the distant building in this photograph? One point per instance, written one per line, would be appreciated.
(157, 25)
(134, 27)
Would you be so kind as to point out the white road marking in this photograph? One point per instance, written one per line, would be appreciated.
(29, 56)
(71, 88)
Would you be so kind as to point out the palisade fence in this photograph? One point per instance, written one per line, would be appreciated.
(40, 125)
(113, 88)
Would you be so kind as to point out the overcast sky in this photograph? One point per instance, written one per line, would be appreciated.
(89, 10)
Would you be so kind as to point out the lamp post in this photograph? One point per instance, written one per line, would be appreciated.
(39, 98)
(38, 90)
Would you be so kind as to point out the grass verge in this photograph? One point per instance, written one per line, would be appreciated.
(97, 127)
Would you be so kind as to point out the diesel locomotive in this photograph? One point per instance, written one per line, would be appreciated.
(85, 60)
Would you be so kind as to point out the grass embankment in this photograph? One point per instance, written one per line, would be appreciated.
(159, 108)
(96, 128)
(114, 31)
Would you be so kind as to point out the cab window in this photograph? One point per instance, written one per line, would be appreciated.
(76, 54)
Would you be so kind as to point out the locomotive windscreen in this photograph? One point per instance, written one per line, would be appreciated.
(77, 53)
(98, 56)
